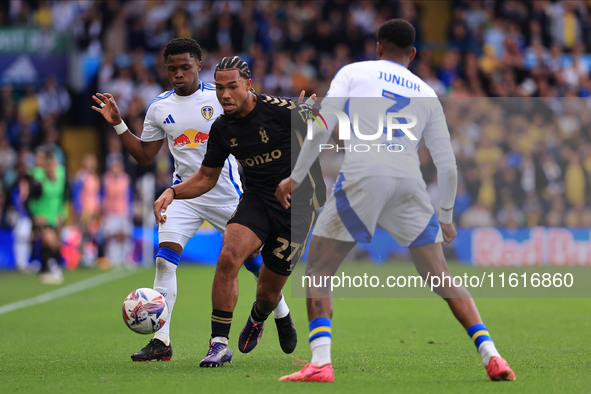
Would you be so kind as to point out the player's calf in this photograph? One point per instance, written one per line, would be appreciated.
(267, 301)
(281, 310)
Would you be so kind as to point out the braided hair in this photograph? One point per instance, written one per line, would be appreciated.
(234, 63)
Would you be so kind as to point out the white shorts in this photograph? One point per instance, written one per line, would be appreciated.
(399, 205)
(116, 224)
(184, 218)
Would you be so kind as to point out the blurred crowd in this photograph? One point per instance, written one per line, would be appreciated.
(84, 219)
(518, 166)
(522, 162)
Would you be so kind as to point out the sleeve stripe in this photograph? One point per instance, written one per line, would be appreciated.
(166, 95)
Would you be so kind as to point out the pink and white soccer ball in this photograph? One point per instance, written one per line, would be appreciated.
(145, 311)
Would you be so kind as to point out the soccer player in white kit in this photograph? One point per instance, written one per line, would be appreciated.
(384, 186)
(184, 116)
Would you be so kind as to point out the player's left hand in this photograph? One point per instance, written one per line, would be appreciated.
(449, 233)
(161, 204)
(283, 192)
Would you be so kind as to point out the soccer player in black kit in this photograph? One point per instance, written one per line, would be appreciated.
(257, 129)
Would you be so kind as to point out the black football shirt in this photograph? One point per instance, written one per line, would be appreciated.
(267, 145)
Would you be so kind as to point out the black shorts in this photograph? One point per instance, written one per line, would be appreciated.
(283, 234)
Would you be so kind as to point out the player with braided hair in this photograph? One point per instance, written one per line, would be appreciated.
(173, 116)
(257, 130)
(235, 63)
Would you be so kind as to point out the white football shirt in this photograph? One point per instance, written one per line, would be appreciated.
(380, 87)
(185, 121)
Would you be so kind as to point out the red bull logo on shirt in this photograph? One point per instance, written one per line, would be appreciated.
(190, 138)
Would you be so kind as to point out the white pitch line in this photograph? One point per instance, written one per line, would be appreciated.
(67, 290)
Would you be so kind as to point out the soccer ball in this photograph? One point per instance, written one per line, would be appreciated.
(145, 311)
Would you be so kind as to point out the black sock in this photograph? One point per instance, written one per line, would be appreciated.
(46, 254)
(57, 255)
(220, 323)
(255, 315)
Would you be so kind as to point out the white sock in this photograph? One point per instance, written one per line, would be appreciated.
(119, 252)
(321, 351)
(126, 248)
(120, 259)
(165, 283)
(223, 340)
(282, 309)
(22, 254)
(487, 350)
(111, 252)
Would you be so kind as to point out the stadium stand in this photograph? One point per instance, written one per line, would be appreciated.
(522, 162)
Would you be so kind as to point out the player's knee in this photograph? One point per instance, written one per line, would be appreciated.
(229, 261)
(317, 269)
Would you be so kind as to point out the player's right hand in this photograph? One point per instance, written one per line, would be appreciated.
(161, 204)
(107, 107)
(449, 232)
(311, 100)
(283, 192)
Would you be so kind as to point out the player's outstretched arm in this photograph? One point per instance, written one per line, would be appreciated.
(286, 186)
(199, 183)
(143, 152)
(437, 140)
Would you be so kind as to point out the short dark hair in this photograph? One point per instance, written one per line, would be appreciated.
(397, 33)
(233, 63)
(180, 45)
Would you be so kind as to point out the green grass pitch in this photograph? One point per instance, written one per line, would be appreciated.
(79, 344)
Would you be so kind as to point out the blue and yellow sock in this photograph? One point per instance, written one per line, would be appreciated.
(484, 343)
(321, 327)
(320, 338)
(479, 333)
